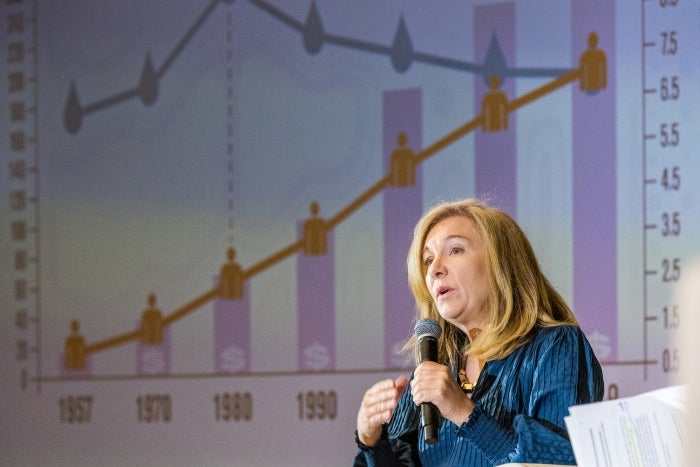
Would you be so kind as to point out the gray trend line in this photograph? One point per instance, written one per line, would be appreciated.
(148, 86)
(186, 38)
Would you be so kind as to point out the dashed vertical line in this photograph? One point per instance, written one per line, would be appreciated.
(229, 126)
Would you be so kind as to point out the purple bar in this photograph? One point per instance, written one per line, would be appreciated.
(495, 157)
(403, 206)
(595, 184)
(232, 333)
(154, 359)
(316, 307)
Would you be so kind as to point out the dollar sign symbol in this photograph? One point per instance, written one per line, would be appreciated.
(600, 343)
(152, 361)
(232, 359)
(316, 357)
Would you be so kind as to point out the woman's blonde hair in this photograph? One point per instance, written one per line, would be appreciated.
(520, 296)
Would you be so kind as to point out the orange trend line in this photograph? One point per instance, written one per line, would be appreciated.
(345, 212)
(112, 342)
(566, 78)
(134, 335)
(270, 260)
(514, 104)
(449, 139)
(359, 201)
(190, 307)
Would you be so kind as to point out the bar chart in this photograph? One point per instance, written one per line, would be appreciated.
(206, 221)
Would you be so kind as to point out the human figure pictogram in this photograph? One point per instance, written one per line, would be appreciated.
(151, 323)
(494, 107)
(231, 277)
(593, 67)
(74, 351)
(402, 168)
(315, 233)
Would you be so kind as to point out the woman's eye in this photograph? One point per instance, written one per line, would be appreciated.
(456, 250)
(427, 262)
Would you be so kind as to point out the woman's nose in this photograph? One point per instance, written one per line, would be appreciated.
(436, 268)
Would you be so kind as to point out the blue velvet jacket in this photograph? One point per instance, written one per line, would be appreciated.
(521, 402)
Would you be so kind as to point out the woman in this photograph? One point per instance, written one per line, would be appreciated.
(511, 357)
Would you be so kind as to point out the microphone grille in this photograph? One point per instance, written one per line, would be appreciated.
(427, 327)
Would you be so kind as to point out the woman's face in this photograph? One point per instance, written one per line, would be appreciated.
(455, 258)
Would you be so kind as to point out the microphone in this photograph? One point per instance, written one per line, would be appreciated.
(427, 332)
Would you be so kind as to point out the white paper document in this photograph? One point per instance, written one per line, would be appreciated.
(647, 430)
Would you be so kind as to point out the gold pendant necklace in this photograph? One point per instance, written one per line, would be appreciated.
(464, 382)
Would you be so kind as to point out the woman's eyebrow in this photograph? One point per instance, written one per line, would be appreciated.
(448, 238)
(458, 237)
